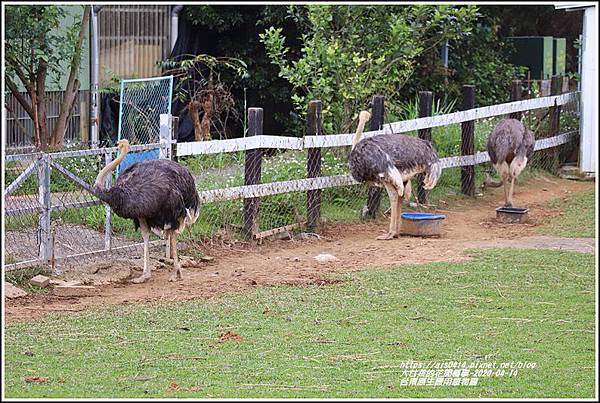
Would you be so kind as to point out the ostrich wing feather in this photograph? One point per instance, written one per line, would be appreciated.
(508, 139)
(373, 156)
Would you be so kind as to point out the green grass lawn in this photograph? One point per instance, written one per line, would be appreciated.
(578, 219)
(348, 339)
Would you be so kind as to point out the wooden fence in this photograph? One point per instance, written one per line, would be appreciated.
(253, 189)
(313, 142)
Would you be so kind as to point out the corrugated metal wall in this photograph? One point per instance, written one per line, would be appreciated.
(132, 40)
(19, 127)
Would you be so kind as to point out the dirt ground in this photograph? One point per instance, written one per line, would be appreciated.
(470, 223)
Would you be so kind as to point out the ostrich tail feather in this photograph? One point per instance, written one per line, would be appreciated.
(432, 176)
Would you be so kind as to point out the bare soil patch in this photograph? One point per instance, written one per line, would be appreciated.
(470, 223)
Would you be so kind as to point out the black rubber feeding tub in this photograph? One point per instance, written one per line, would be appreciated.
(512, 215)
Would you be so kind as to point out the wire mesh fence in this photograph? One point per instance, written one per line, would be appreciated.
(52, 215)
(251, 187)
(141, 103)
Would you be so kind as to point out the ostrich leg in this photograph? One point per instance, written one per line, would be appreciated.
(146, 236)
(399, 209)
(408, 193)
(176, 266)
(168, 252)
(504, 171)
(393, 195)
(509, 202)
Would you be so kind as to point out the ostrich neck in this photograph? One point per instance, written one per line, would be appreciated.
(100, 179)
(359, 132)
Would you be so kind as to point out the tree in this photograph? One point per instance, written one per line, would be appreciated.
(350, 53)
(35, 49)
(480, 59)
(199, 86)
(233, 31)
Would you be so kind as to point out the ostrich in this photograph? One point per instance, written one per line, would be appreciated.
(391, 160)
(158, 195)
(509, 145)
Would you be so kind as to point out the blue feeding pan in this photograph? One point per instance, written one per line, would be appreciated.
(512, 215)
(132, 158)
(421, 224)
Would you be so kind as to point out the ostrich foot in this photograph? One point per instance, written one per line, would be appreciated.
(508, 204)
(387, 236)
(140, 279)
(175, 277)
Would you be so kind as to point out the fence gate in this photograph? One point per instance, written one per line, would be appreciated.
(142, 101)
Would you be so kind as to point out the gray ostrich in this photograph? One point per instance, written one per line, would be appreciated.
(391, 160)
(158, 195)
(509, 145)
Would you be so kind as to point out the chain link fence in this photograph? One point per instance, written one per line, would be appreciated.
(53, 217)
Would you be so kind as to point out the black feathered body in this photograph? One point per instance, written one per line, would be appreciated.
(372, 158)
(509, 139)
(162, 192)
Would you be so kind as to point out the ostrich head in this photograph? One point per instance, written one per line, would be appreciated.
(363, 117)
(123, 146)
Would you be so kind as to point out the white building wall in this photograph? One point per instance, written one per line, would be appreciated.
(589, 92)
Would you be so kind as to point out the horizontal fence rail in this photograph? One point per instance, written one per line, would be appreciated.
(337, 140)
(241, 144)
(323, 182)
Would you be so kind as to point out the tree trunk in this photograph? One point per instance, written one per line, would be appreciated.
(29, 106)
(194, 105)
(205, 124)
(66, 107)
(40, 102)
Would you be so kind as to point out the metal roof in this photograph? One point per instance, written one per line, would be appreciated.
(573, 6)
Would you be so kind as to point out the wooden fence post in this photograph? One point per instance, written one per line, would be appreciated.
(555, 89)
(516, 93)
(425, 109)
(252, 173)
(374, 193)
(467, 142)
(313, 127)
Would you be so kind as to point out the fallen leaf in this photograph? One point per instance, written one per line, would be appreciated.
(230, 336)
(36, 379)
